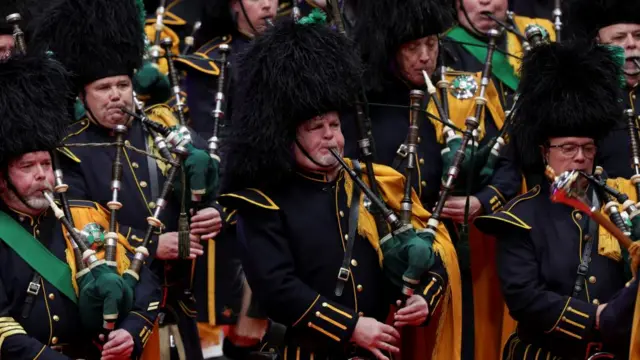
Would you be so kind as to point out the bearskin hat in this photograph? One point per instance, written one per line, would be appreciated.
(387, 24)
(31, 116)
(586, 17)
(93, 39)
(290, 74)
(566, 90)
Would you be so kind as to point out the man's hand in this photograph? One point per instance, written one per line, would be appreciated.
(168, 246)
(206, 223)
(414, 312)
(119, 345)
(454, 208)
(374, 336)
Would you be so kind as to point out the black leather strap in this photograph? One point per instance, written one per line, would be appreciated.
(32, 291)
(583, 268)
(154, 185)
(344, 272)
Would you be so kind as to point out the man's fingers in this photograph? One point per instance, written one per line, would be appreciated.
(210, 236)
(408, 309)
(388, 339)
(206, 223)
(378, 354)
(196, 245)
(388, 347)
(410, 317)
(195, 253)
(390, 330)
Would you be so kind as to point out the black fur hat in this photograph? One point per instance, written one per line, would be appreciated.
(93, 39)
(32, 112)
(566, 90)
(290, 74)
(586, 17)
(387, 24)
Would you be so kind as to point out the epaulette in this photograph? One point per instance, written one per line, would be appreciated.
(77, 128)
(247, 197)
(169, 17)
(201, 60)
(83, 204)
(162, 114)
(72, 130)
(492, 224)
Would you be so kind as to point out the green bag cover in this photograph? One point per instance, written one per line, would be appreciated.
(107, 294)
(480, 161)
(202, 174)
(150, 82)
(407, 256)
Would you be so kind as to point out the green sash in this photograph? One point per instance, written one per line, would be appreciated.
(54, 270)
(501, 67)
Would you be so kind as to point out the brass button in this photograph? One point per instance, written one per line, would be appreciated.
(318, 313)
(419, 139)
(38, 232)
(127, 142)
(421, 161)
(341, 213)
(52, 296)
(423, 183)
(56, 318)
(224, 38)
(324, 304)
(143, 184)
(83, 122)
(360, 288)
(596, 302)
(592, 279)
(578, 216)
(54, 340)
(354, 262)
(152, 205)
(361, 314)
(346, 237)
(135, 165)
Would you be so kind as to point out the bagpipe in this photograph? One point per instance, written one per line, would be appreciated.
(621, 221)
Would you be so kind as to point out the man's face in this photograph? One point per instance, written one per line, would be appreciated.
(628, 37)
(475, 8)
(570, 153)
(6, 46)
(30, 175)
(415, 56)
(105, 98)
(258, 11)
(317, 136)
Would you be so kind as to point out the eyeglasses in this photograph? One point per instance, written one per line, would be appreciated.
(570, 150)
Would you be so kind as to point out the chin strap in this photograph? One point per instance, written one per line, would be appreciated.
(306, 154)
(244, 12)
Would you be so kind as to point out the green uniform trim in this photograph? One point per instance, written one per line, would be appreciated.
(501, 67)
(37, 256)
